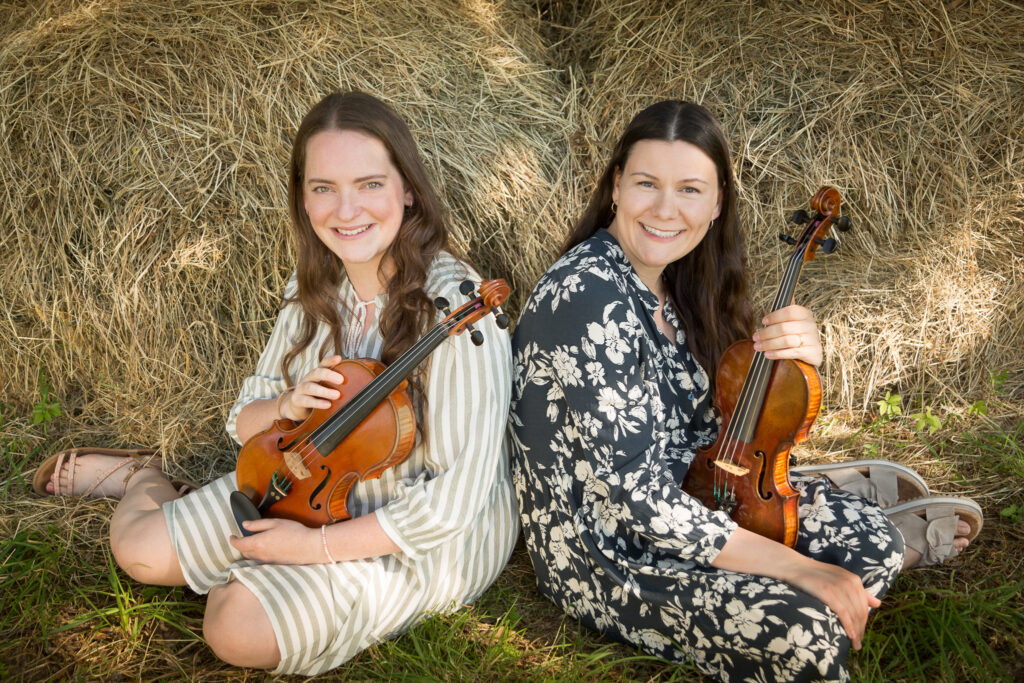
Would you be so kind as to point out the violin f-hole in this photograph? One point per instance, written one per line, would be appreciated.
(319, 488)
(762, 476)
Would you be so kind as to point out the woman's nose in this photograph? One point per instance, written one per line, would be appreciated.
(664, 206)
(347, 207)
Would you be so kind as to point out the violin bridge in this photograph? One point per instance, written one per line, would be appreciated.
(732, 468)
(295, 464)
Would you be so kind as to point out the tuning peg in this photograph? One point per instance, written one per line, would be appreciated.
(500, 318)
(786, 238)
(467, 287)
(442, 304)
(843, 223)
(474, 334)
(829, 245)
(800, 217)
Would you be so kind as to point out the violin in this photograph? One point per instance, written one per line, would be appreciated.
(767, 406)
(304, 471)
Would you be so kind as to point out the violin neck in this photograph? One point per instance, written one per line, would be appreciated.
(334, 430)
(751, 398)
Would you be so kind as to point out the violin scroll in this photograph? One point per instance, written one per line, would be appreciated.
(825, 205)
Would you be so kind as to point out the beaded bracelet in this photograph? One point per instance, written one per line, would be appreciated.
(280, 400)
(323, 537)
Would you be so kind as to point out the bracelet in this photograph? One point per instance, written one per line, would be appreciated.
(323, 537)
(280, 400)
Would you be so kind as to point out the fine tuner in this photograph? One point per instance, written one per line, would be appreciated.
(829, 245)
(469, 289)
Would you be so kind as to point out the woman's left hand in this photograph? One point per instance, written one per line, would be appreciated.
(790, 332)
(280, 541)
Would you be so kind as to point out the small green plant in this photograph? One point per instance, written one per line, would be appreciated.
(1013, 513)
(926, 419)
(998, 379)
(871, 450)
(889, 407)
(978, 408)
(45, 410)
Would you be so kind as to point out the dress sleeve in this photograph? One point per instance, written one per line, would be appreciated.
(267, 380)
(468, 392)
(605, 419)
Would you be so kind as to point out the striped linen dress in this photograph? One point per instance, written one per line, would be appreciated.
(449, 506)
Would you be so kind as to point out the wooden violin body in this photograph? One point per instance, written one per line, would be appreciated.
(767, 406)
(763, 500)
(319, 483)
(305, 471)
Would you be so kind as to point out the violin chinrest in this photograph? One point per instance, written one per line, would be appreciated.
(243, 510)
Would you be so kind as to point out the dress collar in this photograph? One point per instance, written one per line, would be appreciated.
(618, 257)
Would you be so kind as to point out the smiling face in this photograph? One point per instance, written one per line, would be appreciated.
(667, 194)
(355, 199)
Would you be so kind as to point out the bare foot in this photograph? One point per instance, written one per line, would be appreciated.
(114, 470)
(911, 557)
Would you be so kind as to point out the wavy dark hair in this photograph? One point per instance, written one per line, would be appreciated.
(423, 232)
(708, 286)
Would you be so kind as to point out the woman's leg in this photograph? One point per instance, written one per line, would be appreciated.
(138, 531)
(237, 628)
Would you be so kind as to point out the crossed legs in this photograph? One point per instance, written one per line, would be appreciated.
(235, 625)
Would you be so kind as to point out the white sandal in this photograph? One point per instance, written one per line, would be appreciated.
(886, 483)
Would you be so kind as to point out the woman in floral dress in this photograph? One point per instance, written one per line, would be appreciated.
(615, 356)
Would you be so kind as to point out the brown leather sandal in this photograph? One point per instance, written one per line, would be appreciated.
(135, 459)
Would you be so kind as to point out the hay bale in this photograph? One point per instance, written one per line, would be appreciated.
(913, 110)
(143, 159)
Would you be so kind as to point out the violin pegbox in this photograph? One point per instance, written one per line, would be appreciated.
(492, 294)
(825, 206)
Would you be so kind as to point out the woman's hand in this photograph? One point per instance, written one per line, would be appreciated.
(790, 332)
(312, 392)
(838, 588)
(280, 541)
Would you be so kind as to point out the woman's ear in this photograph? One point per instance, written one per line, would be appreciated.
(616, 176)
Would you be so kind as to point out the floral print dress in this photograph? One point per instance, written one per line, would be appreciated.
(606, 416)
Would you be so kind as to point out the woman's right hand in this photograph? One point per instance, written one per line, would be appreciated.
(310, 392)
(841, 590)
(838, 588)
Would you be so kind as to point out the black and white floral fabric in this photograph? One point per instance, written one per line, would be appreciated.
(607, 414)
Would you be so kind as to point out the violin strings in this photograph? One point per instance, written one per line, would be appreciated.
(757, 377)
(405, 363)
(364, 397)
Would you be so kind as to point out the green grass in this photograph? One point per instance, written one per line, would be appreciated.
(67, 612)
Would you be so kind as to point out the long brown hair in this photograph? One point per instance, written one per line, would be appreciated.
(708, 286)
(422, 234)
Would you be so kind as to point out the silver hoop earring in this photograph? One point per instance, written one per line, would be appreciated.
(615, 207)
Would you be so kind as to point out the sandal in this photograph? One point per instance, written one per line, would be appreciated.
(929, 525)
(135, 459)
(884, 482)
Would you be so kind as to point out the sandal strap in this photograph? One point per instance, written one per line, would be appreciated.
(931, 535)
(881, 485)
(134, 462)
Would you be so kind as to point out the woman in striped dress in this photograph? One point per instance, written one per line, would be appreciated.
(430, 534)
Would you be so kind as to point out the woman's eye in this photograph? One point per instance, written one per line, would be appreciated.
(373, 185)
(645, 183)
(320, 189)
(689, 189)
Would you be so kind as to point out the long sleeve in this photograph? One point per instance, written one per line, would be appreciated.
(590, 389)
(267, 380)
(468, 392)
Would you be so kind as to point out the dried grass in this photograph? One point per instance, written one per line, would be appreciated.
(914, 110)
(143, 153)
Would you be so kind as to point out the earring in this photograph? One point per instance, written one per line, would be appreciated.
(615, 207)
